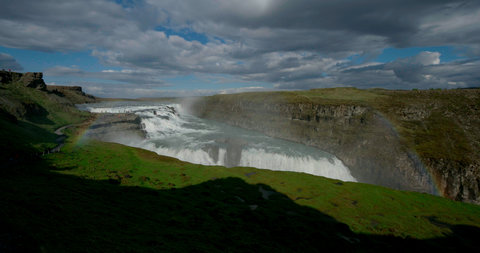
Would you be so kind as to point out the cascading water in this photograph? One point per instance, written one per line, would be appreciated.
(173, 132)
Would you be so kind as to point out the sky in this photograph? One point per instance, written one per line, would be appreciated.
(158, 48)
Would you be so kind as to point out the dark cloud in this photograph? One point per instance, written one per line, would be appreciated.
(126, 76)
(290, 43)
(421, 71)
(412, 69)
(51, 25)
(8, 62)
(401, 22)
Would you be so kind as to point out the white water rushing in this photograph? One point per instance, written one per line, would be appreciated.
(173, 132)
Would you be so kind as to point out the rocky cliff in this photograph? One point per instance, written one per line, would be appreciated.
(29, 79)
(34, 80)
(74, 93)
(372, 135)
(443, 127)
(14, 99)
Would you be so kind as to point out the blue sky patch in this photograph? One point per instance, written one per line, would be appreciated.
(127, 3)
(37, 61)
(186, 33)
(448, 53)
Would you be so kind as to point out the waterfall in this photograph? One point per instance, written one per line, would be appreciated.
(172, 132)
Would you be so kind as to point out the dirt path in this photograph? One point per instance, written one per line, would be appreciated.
(59, 131)
(60, 139)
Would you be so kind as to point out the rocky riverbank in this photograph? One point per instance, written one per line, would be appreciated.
(118, 127)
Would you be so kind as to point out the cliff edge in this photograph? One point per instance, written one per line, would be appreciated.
(29, 79)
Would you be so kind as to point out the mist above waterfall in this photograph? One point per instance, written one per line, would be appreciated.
(172, 131)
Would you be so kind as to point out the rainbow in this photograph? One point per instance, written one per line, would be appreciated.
(81, 136)
(436, 188)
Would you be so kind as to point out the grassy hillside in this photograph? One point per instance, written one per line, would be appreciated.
(105, 197)
(29, 118)
(365, 208)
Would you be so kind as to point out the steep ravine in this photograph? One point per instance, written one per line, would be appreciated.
(358, 134)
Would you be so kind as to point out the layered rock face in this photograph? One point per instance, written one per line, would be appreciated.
(74, 93)
(118, 127)
(33, 80)
(443, 126)
(456, 180)
(358, 135)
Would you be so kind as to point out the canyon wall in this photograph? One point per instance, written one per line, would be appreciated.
(359, 134)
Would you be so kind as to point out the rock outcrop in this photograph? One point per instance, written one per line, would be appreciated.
(456, 180)
(33, 80)
(29, 79)
(74, 93)
(29, 108)
(118, 127)
(9, 77)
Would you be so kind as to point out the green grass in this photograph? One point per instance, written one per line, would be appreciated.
(364, 208)
(339, 95)
(315, 96)
(106, 197)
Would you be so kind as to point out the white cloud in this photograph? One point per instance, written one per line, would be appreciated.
(426, 58)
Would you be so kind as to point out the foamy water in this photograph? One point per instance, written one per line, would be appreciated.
(173, 132)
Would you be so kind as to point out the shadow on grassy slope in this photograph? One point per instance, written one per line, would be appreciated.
(22, 140)
(37, 114)
(45, 211)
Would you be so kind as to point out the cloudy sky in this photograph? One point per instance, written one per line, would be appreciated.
(142, 48)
